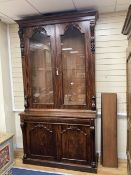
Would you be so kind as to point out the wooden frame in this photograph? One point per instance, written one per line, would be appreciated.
(86, 24)
(69, 128)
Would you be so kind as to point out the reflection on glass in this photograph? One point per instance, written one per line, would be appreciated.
(73, 58)
(41, 71)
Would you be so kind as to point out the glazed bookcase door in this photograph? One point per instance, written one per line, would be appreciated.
(41, 56)
(73, 63)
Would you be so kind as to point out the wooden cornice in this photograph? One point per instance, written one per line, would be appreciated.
(127, 25)
(61, 17)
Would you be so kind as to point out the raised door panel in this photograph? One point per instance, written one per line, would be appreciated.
(75, 65)
(75, 144)
(41, 140)
(39, 67)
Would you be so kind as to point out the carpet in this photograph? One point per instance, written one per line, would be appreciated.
(21, 171)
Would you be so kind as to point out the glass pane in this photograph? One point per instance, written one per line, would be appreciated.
(41, 71)
(73, 58)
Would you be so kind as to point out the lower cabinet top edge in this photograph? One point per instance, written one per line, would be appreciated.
(61, 113)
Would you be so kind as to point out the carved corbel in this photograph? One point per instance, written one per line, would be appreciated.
(21, 35)
(93, 104)
(26, 102)
(92, 32)
(92, 44)
(22, 124)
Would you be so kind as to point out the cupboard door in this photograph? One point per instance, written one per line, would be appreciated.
(41, 141)
(76, 144)
(41, 58)
(73, 64)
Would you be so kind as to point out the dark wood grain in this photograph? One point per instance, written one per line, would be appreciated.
(55, 32)
(41, 141)
(83, 27)
(57, 18)
(62, 112)
(109, 130)
(59, 134)
(68, 141)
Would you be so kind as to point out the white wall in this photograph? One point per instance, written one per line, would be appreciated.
(7, 119)
(111, 58)
(110, 72)
(2, 112)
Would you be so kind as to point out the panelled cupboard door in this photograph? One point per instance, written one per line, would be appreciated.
(69, 143)
(76, 144)
(41, 141)
(75, 65)
(39, 66)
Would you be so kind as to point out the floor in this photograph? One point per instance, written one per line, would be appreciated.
(121, 170)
